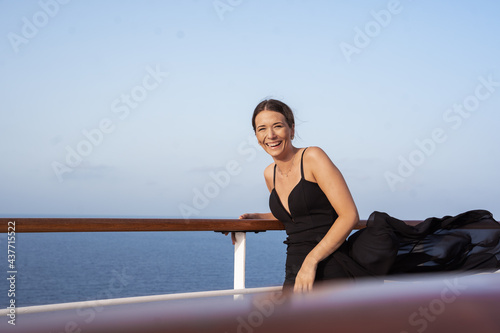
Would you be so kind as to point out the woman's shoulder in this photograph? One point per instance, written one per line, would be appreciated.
(269, 171)
(314, 153)
(315, 161)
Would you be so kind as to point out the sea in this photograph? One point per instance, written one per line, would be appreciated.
(69, 267)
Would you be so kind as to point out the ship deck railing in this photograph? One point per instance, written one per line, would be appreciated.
(86, 224)
(445, 302)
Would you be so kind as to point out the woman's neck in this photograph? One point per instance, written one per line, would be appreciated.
(286, 161)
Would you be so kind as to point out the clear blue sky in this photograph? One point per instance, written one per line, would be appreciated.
(143, 108)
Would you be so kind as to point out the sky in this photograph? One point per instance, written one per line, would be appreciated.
(143, 108)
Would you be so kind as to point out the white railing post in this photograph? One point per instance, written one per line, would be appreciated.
(239, 262)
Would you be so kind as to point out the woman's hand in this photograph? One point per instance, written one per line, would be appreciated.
(251, 216)
(233, 236)
(305, 277)
(244, 216)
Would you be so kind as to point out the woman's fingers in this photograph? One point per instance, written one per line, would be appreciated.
(302, 288)
(250, 216)
(233, 236)
(305, 279)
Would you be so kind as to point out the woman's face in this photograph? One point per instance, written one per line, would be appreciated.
(273, 132)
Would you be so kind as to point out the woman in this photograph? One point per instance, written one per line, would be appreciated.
(310, 196)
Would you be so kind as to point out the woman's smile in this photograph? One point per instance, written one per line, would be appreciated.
(274, 145)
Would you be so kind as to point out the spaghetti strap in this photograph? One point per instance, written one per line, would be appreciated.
(301, 163)
(274, 176)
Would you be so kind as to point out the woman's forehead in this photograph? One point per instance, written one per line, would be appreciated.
(269, 117)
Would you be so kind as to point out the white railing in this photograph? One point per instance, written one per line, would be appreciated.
(139, 299)
(240, 249)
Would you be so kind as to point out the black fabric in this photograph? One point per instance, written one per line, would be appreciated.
(468, 241)
(311, 214)
(387, 246)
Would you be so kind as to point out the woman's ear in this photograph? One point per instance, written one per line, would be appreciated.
(293, 132)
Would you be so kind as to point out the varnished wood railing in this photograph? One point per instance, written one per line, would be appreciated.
(88, 224)
(137, 224)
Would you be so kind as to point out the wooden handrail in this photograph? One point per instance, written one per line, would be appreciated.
(85, 224)
(88, 224)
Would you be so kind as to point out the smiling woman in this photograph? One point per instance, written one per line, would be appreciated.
(307, 198)
(313, 201)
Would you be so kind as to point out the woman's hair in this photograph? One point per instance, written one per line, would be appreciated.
(276, 106)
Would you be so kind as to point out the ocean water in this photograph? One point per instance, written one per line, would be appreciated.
(68, 267)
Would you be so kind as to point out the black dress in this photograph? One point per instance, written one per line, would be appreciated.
(387, 246)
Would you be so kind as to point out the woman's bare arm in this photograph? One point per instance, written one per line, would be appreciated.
(332, 183)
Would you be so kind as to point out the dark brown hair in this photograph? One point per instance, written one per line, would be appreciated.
(276, 106)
